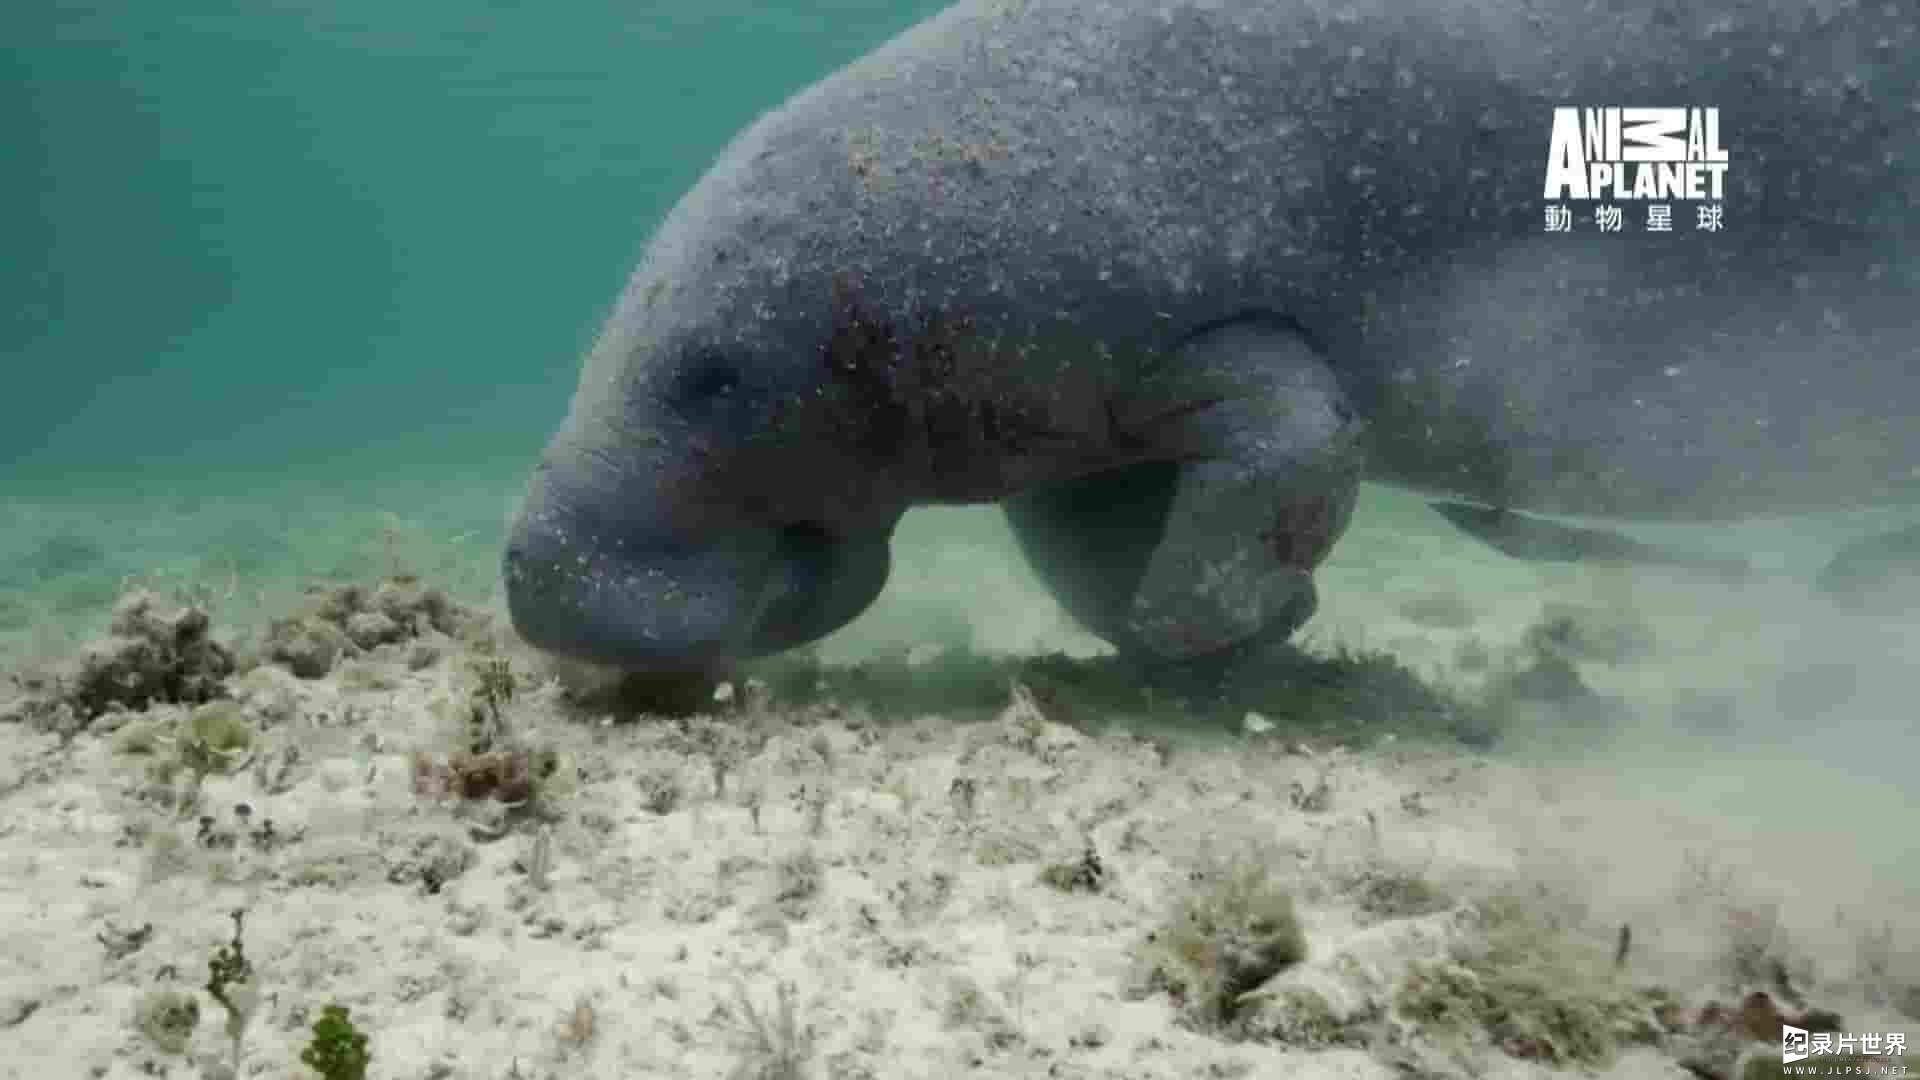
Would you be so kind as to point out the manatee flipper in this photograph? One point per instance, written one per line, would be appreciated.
(1536, 540)
(821, 583)
(1089, 539)
(1213, 544)
(1872, 564)
(1533, 539)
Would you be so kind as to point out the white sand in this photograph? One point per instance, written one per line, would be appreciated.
(1766, 778)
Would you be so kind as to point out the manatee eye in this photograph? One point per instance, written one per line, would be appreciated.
(707, 376)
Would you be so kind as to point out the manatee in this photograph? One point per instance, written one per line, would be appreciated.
(1169, 280)
(1537, 540)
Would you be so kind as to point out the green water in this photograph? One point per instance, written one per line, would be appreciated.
(287, 279)
(249, 241)
(295, 290)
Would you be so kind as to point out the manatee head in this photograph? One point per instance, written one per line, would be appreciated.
(728, 475)
(704, 501)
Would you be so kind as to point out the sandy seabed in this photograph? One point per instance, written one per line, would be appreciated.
(903, 858)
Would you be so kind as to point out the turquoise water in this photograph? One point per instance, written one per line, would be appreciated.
(297, 286)
(277, 270)
(252, 240)
(295, 290)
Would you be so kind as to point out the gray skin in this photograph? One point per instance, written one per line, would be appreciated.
(1169, 279)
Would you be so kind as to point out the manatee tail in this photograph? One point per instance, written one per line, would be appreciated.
(1538, 540)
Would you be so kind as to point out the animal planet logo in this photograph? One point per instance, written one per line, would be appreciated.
(1622, 153)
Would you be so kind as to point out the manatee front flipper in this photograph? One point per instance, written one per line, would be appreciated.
(1537, 540)
(820, 584)
(1209, 547)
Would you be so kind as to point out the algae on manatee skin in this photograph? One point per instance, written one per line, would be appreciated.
(1533, 991)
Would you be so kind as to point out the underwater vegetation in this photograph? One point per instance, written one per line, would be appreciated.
(333, 623)
(1531, 990)
(1345, 694)
(151, 655)
(394, 690)
(1226, 941)
(179, 751)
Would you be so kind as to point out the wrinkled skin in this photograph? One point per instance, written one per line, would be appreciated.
(1170, 279)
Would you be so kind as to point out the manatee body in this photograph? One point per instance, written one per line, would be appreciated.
(1169, 279)
(1534, 540)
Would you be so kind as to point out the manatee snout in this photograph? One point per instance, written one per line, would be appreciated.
(599, 576)
(608, 589)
